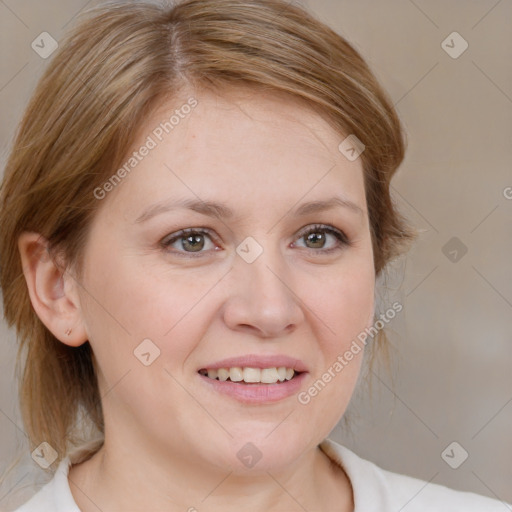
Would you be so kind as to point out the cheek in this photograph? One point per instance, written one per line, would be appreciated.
(128, 302)
(344, 306)
(344, 309)
(143, 299)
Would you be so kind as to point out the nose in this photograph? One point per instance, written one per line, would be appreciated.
(262, 299)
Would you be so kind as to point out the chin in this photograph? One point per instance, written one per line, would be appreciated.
(259, 450)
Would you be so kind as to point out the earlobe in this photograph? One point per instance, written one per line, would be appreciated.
(52, 290)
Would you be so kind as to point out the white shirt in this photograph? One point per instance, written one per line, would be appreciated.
(375, 490)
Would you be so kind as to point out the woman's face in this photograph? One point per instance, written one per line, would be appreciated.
(263, 280)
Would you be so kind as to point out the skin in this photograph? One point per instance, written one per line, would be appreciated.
(171, 442)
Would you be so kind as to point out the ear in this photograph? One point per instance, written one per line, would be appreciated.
(52, 290)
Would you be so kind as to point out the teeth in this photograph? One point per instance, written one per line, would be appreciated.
(269, 376)
(251, 375)
(236, 374)
(222, 373)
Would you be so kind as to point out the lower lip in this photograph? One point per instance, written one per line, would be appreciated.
(257, 393)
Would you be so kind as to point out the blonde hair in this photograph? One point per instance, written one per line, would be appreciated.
(119, 63)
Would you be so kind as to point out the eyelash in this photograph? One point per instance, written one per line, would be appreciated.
(343, 240)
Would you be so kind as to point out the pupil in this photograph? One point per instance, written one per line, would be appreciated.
(315, 238)
(196, 242)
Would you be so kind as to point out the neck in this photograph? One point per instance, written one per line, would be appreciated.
(119, 479)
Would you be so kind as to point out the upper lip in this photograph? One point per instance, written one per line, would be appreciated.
(258, 361)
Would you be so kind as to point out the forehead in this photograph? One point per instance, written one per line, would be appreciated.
(249, 118)
(238, 144)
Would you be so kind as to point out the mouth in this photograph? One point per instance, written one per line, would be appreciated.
(255, 379)
(251, 375)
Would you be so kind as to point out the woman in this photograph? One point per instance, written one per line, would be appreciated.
(194, 213)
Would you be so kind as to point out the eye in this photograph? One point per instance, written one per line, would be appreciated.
(189, 242)
(316, 238)
(194, 242)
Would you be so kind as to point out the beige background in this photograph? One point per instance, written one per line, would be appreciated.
(452, 342)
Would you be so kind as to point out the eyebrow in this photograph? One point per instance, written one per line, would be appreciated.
(220, 211)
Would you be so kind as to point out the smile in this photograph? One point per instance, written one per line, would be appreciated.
(248, 375)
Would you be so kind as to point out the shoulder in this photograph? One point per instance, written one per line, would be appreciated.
(376, 489)
(54, 496)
